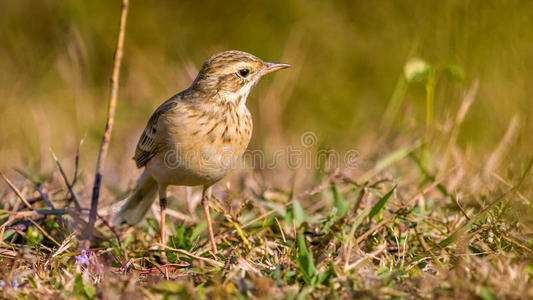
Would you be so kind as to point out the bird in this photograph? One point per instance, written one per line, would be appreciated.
(196, 136)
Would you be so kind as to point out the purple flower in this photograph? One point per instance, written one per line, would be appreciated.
(15, 284)
(83, 258)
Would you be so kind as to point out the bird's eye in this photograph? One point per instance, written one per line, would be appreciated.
(244, 72)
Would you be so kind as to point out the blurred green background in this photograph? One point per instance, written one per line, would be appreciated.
(348, 57)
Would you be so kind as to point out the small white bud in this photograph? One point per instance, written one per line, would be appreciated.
(417, 69)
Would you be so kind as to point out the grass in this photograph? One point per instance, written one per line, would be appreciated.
(402, 233)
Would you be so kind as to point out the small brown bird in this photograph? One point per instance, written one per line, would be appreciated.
(196, 136)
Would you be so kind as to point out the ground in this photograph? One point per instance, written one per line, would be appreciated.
(402, 233)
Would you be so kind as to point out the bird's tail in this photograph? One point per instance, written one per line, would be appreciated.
(137, 205)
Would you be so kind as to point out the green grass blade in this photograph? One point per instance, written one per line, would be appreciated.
(391, 159)
(305, 260)
(381, 203)
(338, 200)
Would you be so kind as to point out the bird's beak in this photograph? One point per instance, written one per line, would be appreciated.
(271, 67)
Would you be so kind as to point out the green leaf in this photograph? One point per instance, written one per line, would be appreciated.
(171, 256)
(289, 216)
(357, 222)
(299, 214)
(90, 291)
(8, 234)
(304, 293)
(391, 159)
(80, 289)
(338, 200)
(294, 213)
(32, 281)
(200, 227)
(454, 73)
(323, 276)
(360, 218)
(153, 224)
(380, 204)
(529, 269)
(34, 236)
(305, 260)
(78, 285)
(486, 294)
(182, 238)
(290, 274)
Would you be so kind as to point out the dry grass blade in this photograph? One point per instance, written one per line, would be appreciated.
(16, 191)
(391, 159)
(375, 228)
(496, 157)
(463, 228)
(64, 246)
(467, 102)
(187, 253)
(373, 254)
(468, 99)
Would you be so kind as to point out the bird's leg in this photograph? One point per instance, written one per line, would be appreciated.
(163, 206)
(206, 194)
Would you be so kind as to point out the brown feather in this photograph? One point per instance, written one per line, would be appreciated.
(151, 140)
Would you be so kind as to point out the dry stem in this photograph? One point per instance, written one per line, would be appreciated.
(87, 236)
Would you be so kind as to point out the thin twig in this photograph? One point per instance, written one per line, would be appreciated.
(157, 266)
(39, 188)
(77, 201)
(17, 192)
(37, 184)
(375, 228)
(227, 264)
(43, 195)
(44, 232)
(77, 160)
(34, 213)
(461, 208)
(189, 254)
(87, 236)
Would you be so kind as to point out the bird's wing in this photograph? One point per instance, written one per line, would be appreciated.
(153, 140)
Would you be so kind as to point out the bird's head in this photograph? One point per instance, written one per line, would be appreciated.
(231, 74)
